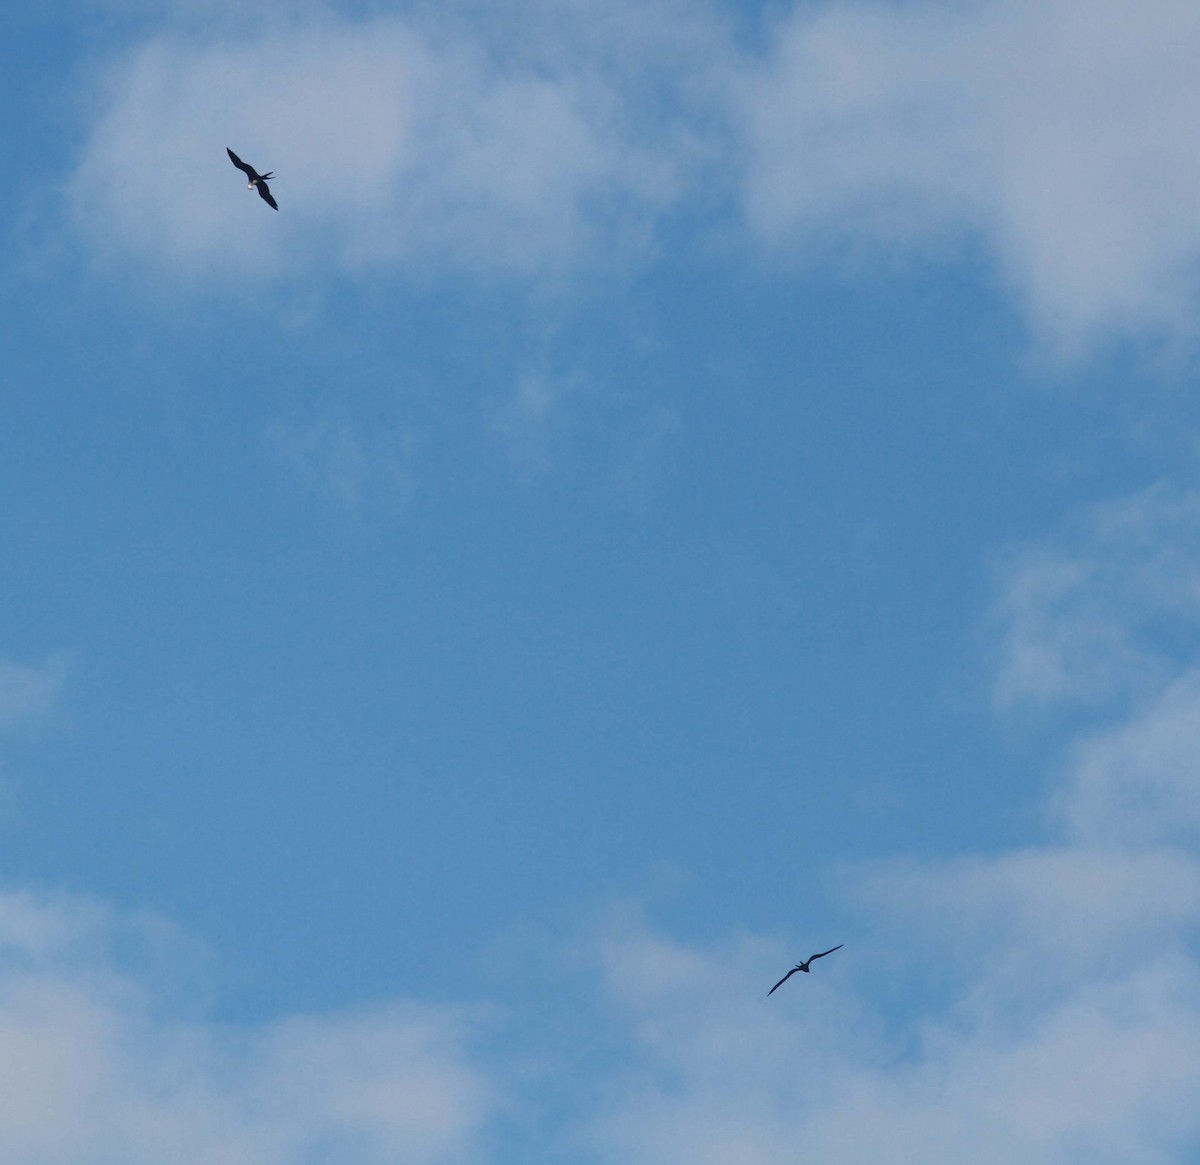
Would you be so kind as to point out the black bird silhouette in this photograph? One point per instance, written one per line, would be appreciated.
(804, 966)
(256, 179)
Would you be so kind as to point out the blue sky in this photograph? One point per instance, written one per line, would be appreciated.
(676, 486)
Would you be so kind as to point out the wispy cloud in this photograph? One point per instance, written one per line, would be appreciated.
(1109, 611)
(338, 463)
(28, 692)
(533, 422)
(1108, 607)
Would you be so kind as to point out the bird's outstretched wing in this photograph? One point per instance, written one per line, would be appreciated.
(247, 170)
(828, 952)
(265, 194)
(783, 980)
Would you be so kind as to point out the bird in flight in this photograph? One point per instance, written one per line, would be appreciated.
(256, 179)
(804, 966)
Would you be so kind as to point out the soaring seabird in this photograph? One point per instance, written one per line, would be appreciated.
(256, 179)
(804, 966)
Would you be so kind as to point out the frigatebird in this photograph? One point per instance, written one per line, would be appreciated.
(256, 179)
(804, 966)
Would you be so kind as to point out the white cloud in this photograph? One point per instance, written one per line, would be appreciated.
(1059, 132)
(29, 692)
(1093, 1058)
(522, 137)
(1052, 913)
(92, 1070)
(397, 140)
(1139, 784)
(1104, 1070)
